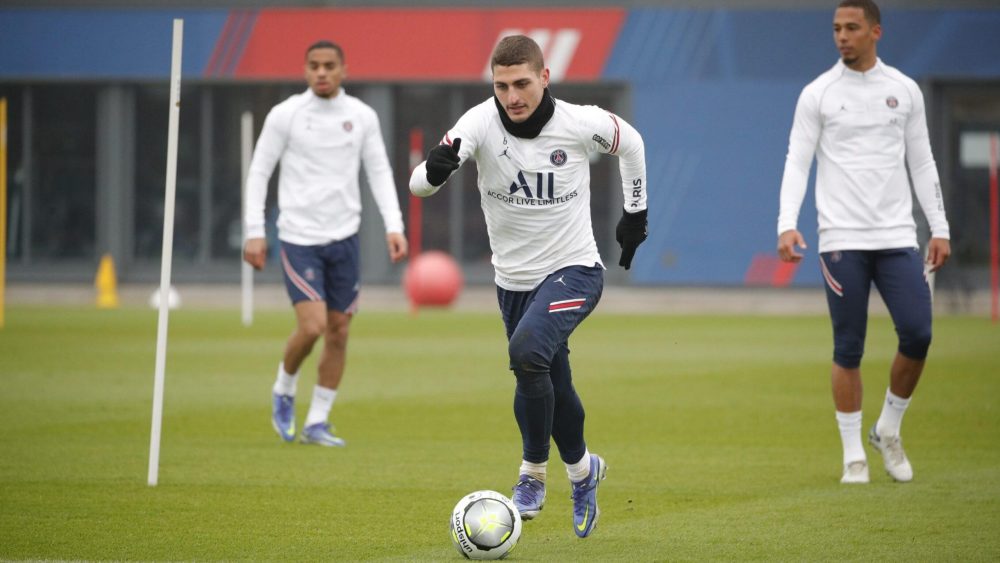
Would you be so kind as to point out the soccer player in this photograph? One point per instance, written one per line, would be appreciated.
(532, 155)
(321, 137)
(864, 121)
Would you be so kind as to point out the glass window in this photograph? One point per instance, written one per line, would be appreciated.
(63, 171)
(15, 170)
(152, 119)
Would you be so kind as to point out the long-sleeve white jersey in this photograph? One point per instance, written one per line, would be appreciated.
(864, 129)
(535, 193)
(321, 143)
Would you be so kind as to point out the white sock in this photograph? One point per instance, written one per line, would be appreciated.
(580, 470)
(322, 402)
(892, 415)
(536, 470)
(286, 383)
(850, 435)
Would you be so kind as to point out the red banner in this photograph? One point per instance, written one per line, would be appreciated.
(428, 44)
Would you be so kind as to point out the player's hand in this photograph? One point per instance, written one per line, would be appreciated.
(630, 233)
(787, 241)
(255, 252)
(398, 248)
(938, 251)
(442, 161)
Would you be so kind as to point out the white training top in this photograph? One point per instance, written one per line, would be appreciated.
(864, 129)
(321, 143)
(535, 193)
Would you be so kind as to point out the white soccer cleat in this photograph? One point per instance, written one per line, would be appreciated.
(855, 472)
(891, 448)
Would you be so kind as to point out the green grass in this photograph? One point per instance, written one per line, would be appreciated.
(718, 431)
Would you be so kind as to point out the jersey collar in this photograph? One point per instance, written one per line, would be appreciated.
(847, 71)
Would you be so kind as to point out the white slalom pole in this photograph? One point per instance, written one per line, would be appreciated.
(168, 251)
(246, 153)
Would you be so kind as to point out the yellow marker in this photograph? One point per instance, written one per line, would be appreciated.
(107, 284)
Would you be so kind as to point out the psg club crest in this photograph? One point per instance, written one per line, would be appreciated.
(348, 126)
(310, 274)
(892, 102)
(558, 157)
(835, 256)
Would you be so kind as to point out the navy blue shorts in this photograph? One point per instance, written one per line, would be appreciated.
(898, 274)
(325, 272)
(548, 314)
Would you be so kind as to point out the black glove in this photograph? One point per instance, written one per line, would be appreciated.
(630, 233)
(442, 161)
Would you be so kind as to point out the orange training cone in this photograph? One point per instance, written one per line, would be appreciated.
(106, 284)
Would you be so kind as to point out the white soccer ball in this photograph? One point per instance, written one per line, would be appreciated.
(484, 525)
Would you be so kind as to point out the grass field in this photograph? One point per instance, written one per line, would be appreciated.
(718, 431)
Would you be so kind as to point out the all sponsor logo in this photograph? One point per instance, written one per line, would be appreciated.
(539, 193)
(558, 157)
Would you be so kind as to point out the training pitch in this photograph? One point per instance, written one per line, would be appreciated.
(718, 431)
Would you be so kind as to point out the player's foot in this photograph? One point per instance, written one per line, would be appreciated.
(585, 511)
(891, 448)
(529, 496)
(321, 434)
(283, 416)
(855, 472)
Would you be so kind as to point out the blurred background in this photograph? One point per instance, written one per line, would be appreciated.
(710, 85)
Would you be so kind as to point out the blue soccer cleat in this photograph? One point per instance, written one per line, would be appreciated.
(585, 511)
(321, 435)
(529, 496)
(283, 416)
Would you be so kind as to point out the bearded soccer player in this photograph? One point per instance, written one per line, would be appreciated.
(321, 137)
(865, 123)
(532, 155)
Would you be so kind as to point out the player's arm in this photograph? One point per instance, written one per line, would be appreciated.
(383, 187)
(608, 133)
(270, 146)
(802, 140)
(632, 228)
(926, 182)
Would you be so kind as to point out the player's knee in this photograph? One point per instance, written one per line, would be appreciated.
(312, 328)
(526, 356)
(847, 353)
(915, 341)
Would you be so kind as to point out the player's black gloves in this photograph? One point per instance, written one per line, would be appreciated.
(630, 233)
(442, 161)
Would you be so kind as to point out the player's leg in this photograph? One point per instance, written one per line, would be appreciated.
(533, 401)
(341, 275)
(307, 300)
(899, 276)
(564, 300)
(847, 277)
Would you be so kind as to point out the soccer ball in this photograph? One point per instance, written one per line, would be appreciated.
(484, 525)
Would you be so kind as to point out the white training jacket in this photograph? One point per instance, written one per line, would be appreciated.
(535, 193)
(321, 143)
(864, 129)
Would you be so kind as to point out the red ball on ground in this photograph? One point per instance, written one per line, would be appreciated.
(432, 278)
